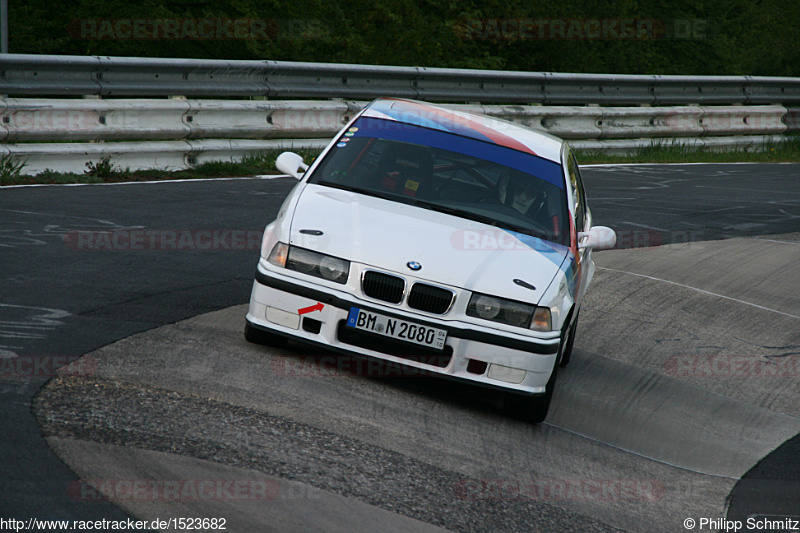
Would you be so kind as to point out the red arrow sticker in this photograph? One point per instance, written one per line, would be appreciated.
(316, 307)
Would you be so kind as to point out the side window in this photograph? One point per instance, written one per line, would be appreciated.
(580, 196)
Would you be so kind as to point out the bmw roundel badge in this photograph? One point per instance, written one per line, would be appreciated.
(413, 265)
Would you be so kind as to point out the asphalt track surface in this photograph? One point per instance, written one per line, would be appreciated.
(62, 298)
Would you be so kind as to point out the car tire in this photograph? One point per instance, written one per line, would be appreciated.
(566, 355)
(531, 409)
(259, 336)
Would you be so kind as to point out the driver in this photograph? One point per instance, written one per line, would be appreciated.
(521, 193)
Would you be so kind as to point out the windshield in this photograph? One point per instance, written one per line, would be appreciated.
(449, 173)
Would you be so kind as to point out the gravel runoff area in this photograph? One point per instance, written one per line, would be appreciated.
(112, 412)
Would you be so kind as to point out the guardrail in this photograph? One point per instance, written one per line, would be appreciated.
(179, 132)
(24, 120)
(29, 75)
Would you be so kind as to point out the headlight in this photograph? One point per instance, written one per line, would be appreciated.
(484, 306)
(311, 263)
(509, 312)
(334, 269)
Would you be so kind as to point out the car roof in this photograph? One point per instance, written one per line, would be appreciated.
(481, 127)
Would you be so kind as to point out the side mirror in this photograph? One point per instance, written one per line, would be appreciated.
(291, 163)
(597, 238)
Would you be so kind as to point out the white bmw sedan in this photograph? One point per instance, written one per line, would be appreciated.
(453, 243)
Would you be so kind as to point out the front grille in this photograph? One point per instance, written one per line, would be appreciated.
(429, 298)
(404, 350)
(383, 286)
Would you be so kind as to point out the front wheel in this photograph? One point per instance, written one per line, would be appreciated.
(531, 409)
(570, 340)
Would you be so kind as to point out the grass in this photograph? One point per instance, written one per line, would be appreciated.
(769, 152)
(104, 171)
(10, 168)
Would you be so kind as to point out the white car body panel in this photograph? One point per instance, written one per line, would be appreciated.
(451, 250)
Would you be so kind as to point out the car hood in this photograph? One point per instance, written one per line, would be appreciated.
(455, 251)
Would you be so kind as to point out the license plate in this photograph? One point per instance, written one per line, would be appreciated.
(396, 328)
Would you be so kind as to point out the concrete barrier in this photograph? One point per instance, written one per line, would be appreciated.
(141, 155)
(179, 133)
(636, 122)
(24, 120)
(169, 119)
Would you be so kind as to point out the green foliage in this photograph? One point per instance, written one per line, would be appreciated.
(10, 168)
(251, 164)
(103, 169)
(699, 37)
(677, 152)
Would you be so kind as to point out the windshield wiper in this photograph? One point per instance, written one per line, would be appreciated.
(479, 218)
(350, 188)
(457, 212)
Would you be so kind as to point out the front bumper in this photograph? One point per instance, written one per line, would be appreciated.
(482, 355)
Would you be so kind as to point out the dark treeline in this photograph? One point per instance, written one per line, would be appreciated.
(627, 36)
